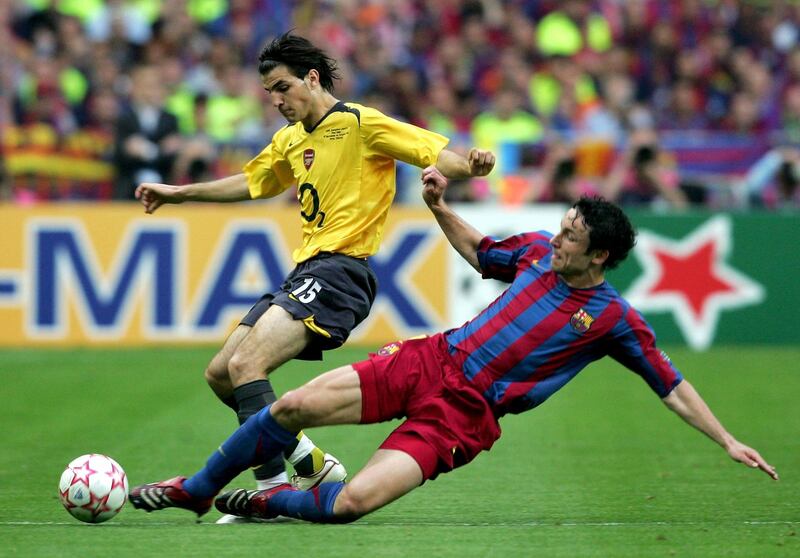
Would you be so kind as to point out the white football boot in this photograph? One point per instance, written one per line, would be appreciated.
(332, 471)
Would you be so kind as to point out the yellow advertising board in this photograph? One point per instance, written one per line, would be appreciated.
(107, 274)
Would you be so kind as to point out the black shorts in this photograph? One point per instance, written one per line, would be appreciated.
(331, 293)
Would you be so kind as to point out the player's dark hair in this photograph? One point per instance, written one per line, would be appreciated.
(300, 56)
(609, 228)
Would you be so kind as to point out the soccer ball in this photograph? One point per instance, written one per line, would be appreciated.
(93, 488)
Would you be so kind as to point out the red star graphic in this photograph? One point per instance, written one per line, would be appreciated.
(117, 477)
(97, 505)
(694, 276)
(690, 279)
(82, 473)
(102, 504)
(65, 499)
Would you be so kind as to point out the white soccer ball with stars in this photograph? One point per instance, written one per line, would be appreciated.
(93, 488)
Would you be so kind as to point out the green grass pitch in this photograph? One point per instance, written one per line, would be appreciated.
(602, 469)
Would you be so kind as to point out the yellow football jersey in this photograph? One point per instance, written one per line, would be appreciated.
(345, 174)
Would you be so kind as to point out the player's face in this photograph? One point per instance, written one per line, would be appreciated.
(571, 245)
(288, 93)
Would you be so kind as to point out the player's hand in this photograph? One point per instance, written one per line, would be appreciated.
(153, 195)
(434, 185)
(750, 457)
(481, 161)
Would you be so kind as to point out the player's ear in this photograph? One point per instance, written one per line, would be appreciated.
(311, 77)
(599, 257)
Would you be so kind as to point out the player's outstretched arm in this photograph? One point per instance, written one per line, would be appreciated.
(687, 403)
(464, 237)
(478, 162)
(229, 189)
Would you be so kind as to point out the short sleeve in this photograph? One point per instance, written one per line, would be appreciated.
(504, 259)
(268, 173)
(399, 140)
(634, 346)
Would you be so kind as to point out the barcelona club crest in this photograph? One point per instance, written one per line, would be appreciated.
(390, 349)
(308, 158)
(581, 321)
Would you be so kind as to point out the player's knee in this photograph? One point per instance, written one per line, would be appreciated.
(241, 369)
(292, 409)
(215, 376)
(236, 365)
(352, 504)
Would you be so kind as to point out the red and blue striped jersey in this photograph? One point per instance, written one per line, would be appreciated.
(538, 334)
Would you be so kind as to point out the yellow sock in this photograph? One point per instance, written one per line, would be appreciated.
(306, 458)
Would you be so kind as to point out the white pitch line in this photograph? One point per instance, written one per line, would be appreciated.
(58, 523)
(582, 524)
(437, 524)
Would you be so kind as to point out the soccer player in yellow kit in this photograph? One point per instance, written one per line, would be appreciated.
(341, 156)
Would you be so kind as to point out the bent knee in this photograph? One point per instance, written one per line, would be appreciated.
(300, 409)
(351, 505)
(292, 407)
(243, 368)
(237, 365)
(216, 375)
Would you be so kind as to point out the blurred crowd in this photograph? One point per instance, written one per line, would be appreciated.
(616, 97)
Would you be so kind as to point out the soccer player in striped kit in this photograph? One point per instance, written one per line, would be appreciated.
(557, 316)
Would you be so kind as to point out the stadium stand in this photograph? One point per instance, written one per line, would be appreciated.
(718, 83)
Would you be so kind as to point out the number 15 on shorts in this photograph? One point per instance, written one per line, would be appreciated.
(307, 292)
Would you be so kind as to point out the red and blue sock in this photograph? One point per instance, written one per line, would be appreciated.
(255, 442)
(309, 505)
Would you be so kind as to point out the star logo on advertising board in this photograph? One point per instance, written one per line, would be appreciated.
(690, 278)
